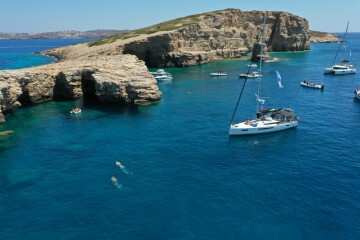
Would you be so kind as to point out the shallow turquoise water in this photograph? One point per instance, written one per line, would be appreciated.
(184, 178)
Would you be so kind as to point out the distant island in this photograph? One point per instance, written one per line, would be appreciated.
(100, 33)
(323, 37)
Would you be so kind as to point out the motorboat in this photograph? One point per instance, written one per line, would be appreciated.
(167, 76)
(250, 75)
(159, 72)
(312, 84)
(218, 74)
(75, 110)
(266, 120)
(252, 65)
(357, 93)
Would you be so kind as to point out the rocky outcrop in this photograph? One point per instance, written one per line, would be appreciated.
(2, 118)
(200, 39)
(323, 37)
(119, 79)
(222, 35)
(5, 134)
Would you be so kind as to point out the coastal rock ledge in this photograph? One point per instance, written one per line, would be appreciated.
(119, 79)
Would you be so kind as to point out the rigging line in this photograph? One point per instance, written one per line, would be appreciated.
(341, 42)
(261, 56)
(242, 89)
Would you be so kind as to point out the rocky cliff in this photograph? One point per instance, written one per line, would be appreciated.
(119, 79)
(202, 38)
(222, 35)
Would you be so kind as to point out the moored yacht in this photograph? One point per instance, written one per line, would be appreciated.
(344, 67)
(159, 72)
(266, 120)
(271, 120)
(340, 69)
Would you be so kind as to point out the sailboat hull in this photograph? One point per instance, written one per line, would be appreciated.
(260, 127)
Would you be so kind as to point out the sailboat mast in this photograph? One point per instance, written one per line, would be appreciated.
(341, 42)
(261, 55)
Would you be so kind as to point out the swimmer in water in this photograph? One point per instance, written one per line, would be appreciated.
(119, 164)
(114, 180)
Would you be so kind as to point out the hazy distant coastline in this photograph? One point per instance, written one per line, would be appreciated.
(63, 34)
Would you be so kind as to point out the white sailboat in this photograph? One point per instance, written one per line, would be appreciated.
(266, 120)
(344, 67)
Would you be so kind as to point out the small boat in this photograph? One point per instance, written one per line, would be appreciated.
(218, 74)
(159, 72)
(250, 75)
(312, 84)
(253, 65)
(357, 93)
(167, 76)
(75, 110)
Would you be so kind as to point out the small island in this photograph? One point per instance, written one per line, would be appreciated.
(323, 37)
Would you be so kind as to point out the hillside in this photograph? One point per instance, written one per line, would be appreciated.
(63, 34)
(201, 38)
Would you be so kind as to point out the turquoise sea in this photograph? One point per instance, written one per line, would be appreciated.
(184, 177)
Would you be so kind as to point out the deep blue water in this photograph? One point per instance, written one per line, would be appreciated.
(184, 177)
(18, 53)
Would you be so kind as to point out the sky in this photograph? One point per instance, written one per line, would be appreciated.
(33, 16)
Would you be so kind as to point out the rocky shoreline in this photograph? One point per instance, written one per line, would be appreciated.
(114, 69)
(97, 77)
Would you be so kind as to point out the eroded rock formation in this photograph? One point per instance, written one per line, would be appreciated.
(201, 38)
(226, 34)
(110, 79)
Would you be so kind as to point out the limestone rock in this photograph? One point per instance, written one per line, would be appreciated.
(323, 37)
(117, 79)
(201, 38)
(6, 133)
(2, 118)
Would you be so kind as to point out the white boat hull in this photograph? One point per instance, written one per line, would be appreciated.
(164, 77)
(250, 75)
(340, 69)
(244, 128)
(312, 85)
(218, 74)
(343, 72)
